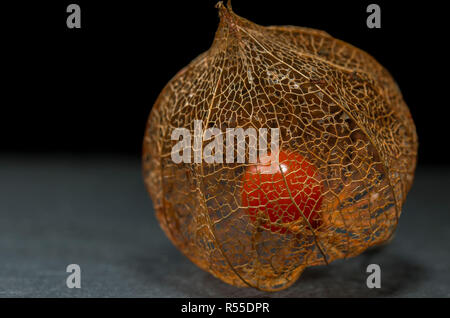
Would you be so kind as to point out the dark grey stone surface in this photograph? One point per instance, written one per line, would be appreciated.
(95, 212)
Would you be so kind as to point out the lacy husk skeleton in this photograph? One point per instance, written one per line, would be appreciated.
(334, 104)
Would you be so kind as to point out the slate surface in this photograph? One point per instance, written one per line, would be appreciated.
(95, 212)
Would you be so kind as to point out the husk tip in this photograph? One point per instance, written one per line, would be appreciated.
(224, 8)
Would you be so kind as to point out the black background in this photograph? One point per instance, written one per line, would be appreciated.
(90, 90)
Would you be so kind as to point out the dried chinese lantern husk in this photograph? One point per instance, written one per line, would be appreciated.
(333, 103)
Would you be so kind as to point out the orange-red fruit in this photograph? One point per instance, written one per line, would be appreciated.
(278, 195)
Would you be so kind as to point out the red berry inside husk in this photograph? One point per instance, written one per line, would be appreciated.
(276, 195)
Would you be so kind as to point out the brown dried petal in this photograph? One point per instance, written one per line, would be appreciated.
(334, 104)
